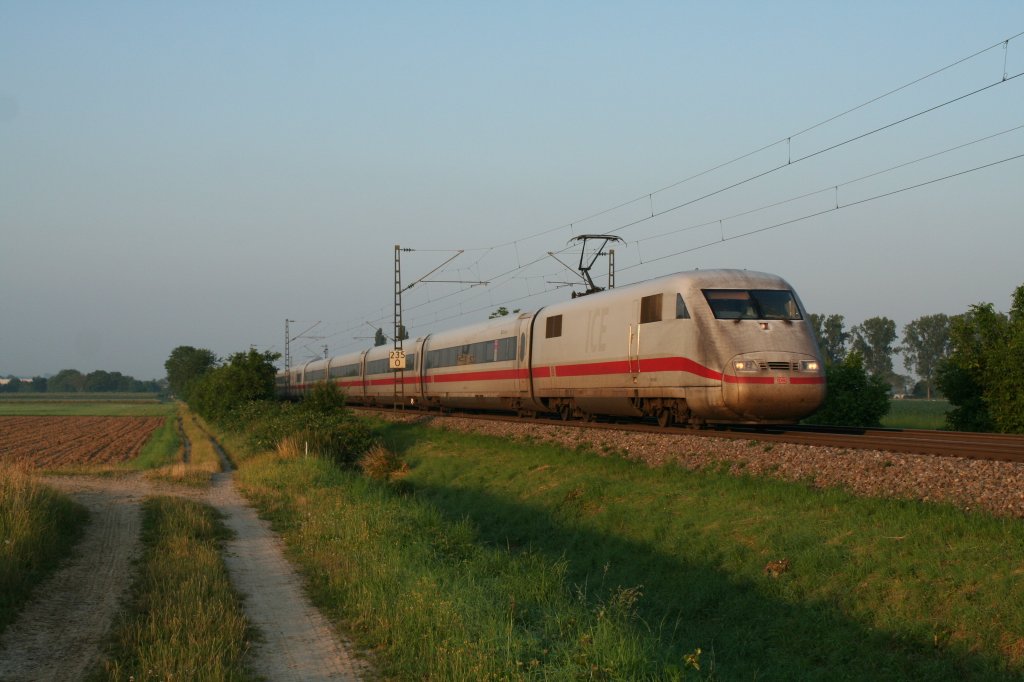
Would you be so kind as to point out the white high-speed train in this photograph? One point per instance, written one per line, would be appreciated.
(699, 347)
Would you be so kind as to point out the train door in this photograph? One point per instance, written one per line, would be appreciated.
(522, 363)
(362, 376)
(633, 347)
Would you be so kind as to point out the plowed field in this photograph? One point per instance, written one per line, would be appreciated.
(49, 442)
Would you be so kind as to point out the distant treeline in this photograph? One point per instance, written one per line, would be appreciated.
(73, 381)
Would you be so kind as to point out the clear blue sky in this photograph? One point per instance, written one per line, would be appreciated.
(194, 173)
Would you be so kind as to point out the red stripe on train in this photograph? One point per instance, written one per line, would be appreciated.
(644, 366)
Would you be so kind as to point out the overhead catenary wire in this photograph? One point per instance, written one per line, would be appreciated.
(773, 226)
(832, 209)
(830, 188)
(502, 278)
(765, 147)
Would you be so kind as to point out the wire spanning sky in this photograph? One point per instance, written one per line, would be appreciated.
(196, 173)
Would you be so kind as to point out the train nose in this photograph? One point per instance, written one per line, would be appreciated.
(783, 387)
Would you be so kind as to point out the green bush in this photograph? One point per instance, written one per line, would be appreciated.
(329, 432)
(325, 397)
(219, 392)
(963, 391)
(854, 398)
(984, 378)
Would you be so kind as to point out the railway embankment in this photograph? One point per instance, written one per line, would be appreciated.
(993, 486)
(520, 554)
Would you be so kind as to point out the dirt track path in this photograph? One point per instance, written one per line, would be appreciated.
(60, 635)
(298, 642)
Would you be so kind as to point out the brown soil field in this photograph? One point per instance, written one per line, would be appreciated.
(50, 442)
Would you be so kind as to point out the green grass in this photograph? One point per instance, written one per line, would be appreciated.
(162, 448)
(496, 560)
(916, 414)
(100, 408)
(38, 527)
(185, 621)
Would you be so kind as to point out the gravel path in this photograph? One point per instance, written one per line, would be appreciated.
(297, 642)
(59, 635)
(997, 487)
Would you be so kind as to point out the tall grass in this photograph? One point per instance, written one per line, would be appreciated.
(507, 561)
(38, 527)
(185, 621)
(203, 461)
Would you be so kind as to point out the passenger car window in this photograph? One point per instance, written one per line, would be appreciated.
(553, 327)
(650, 309)
(681, 312)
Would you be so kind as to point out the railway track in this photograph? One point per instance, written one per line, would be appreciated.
(984, 446)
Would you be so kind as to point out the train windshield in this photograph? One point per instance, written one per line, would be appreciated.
(752, 304)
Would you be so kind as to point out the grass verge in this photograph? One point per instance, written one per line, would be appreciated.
(495, 560)
(916, 414)
(162, 449)
(38, 527)
(185, 621)
(202, 462)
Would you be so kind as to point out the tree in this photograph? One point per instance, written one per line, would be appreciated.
(983, 377)
(925, 343)
(246, 377)
(66, 381)
(185, 365)
(874, 340)
(831, 336)
(502, 311)
(854, 397)
(100, 381)
(961, 388)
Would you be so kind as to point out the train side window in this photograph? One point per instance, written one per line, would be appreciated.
(553, 327)
(681, 312)
(650, 309)
(522, 347)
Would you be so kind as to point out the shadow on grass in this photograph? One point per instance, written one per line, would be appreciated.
(741, 627)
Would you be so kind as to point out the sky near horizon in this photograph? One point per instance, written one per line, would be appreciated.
(195, 173)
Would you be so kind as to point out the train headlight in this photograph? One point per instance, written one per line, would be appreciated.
(809, 365)
(745, 366)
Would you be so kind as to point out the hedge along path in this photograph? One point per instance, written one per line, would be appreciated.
(60, 635)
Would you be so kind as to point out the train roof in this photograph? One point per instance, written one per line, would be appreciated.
(681, 282)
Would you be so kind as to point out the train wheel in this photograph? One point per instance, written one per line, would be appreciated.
(565, 412)
(665, 417)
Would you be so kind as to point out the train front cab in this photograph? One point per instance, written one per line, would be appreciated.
(771, 368)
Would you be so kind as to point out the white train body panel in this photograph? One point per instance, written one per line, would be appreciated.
(479, 366)
(715, 345)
